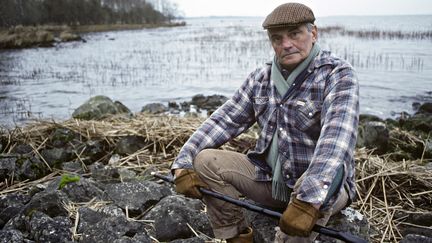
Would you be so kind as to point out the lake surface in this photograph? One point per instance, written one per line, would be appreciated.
(207, 56)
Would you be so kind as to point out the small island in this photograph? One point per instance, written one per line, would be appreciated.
(25, 24)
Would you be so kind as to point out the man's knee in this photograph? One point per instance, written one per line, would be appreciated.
(203, 160)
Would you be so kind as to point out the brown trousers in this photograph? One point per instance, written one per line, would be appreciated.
(232, 174)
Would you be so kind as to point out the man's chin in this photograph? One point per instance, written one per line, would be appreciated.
(289, 63)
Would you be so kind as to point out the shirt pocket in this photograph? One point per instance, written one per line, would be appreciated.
(308, 115)
(260, 104)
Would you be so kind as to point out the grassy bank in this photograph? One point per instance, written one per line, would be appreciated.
(46, 35)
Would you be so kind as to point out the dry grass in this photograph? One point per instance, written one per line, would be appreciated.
(388, 192)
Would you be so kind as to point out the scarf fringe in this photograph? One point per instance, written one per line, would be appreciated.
(280, 191)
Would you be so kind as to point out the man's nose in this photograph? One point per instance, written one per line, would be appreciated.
(287, 42)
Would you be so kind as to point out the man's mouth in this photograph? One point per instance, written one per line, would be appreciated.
(289, 54)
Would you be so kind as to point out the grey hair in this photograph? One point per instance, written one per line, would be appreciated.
(309, 27)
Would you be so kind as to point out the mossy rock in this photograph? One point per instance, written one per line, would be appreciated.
(99, 107)
(369, 117)
(420, 122)
(61, 137)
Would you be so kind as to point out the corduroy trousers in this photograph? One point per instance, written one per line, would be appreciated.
(232, 174)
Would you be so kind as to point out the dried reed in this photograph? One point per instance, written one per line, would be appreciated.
(388, 192)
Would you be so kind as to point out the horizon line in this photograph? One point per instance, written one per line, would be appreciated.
(325, 16)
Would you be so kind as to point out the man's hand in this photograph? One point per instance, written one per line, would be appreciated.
(299, 218)
(188, 182)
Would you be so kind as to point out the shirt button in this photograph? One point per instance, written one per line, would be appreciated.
(281, 129)
(325, 186)
(293, 84)
(287, 176)
(310, 114)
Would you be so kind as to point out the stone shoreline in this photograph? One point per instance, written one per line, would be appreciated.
(89, 181)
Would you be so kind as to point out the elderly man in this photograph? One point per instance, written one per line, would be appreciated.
(306, 105)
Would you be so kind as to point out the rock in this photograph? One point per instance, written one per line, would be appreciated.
(56, 156)
(412, 238)
(13, 200)
(425, 108)
(373, 134)
(93, 150)
(73, 166)
(19, 222)
(7, 167)
(104, 173)
(173, 105)
(22, 149)
(82, 190)
(419, 122)
(98, 107)
(90, 217)
(122, 108)
(423, 219)
(61, 137)
(209, 102)
(173, 214)
(129, 145)
(348, 220)
(263, 226)
(11, 236)
(11, 205)
(8, 213)
(185, 106)
(48, 202)
(111, 229)
(138, 238)
(136, 196)
(190, 240)
(127, 175)
(46, 229)
(31, 168)
(198, 100)
(154, 108)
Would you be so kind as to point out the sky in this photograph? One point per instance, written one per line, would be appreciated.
(321, 8)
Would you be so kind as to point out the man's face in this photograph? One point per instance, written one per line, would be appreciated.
(292, 45)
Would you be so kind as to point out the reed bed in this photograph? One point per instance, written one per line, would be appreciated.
(377, 34)
(389, 192)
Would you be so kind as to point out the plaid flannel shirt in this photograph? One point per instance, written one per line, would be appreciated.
(317, 120)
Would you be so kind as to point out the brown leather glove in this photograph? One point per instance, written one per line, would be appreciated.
(188, 182)
(299, 218)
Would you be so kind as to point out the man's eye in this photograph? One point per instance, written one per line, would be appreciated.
(294, 34)
(276, 38)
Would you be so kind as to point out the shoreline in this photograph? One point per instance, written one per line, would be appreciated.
(20, 37)
(125, 149)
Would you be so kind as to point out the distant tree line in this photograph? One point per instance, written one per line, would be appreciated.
(84, 12)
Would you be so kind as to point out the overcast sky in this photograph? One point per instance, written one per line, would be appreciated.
(321, 8)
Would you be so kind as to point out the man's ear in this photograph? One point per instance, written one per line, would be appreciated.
(314, 34)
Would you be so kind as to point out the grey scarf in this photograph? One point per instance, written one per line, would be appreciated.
(280, 191)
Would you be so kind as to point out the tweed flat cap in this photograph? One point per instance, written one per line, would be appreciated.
(289, 14)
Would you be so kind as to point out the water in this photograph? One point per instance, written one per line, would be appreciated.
(208, 56)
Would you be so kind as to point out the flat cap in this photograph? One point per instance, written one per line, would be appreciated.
(289, 14)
